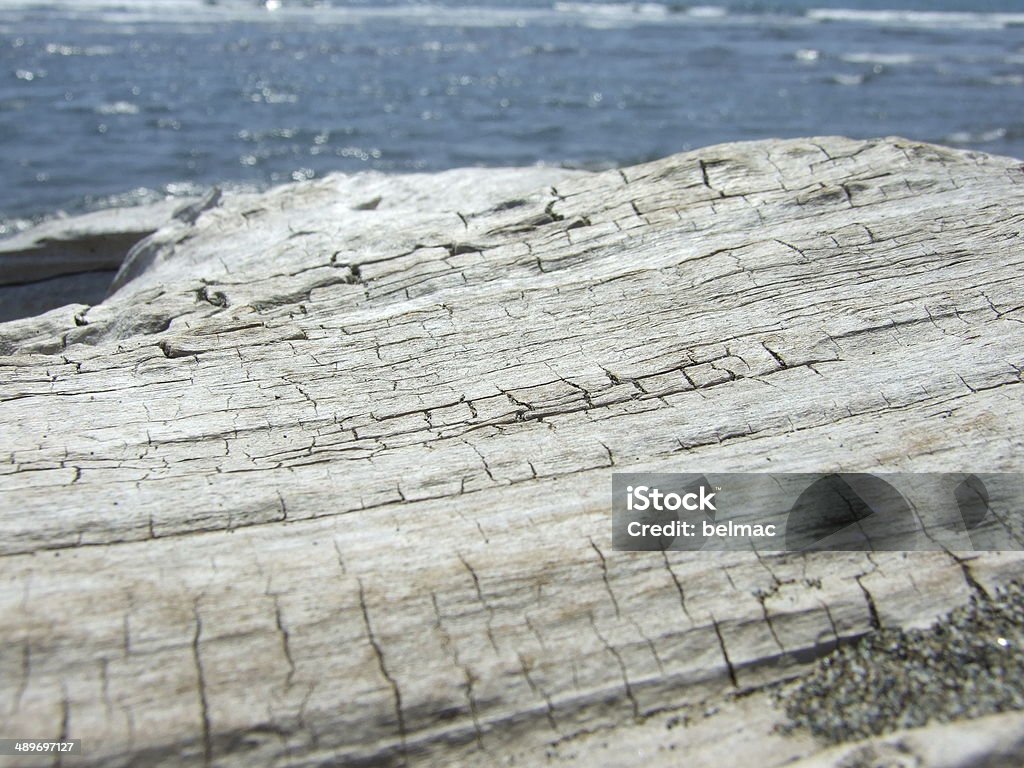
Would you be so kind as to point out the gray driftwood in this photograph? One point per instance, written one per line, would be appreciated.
(74, 258)
(87, 243)
(327, 479)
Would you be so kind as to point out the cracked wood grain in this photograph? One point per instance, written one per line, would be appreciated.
(327, 482)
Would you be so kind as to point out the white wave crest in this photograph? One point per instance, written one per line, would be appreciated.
(885, 59)
(949, 19)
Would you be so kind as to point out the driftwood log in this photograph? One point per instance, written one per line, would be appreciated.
(326, 480)
(73, 258)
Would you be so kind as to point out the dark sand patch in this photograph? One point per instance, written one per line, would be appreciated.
(968, 664)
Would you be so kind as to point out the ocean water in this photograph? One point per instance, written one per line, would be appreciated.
(107, 102)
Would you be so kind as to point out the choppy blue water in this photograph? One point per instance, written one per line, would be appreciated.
(105, 102)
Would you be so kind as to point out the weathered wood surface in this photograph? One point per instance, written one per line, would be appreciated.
(87, 243)
(327, 479)
(72, 258)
